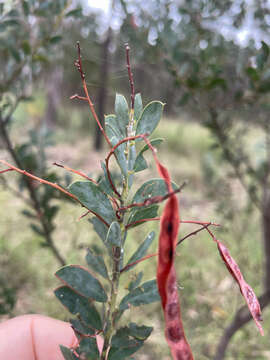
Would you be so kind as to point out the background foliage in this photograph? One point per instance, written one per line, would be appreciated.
(201, 59)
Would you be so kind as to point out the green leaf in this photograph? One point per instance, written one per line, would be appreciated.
(115, 135)
(264, 86)
(114, 235)
(40, 58)
(153, 187)
(29, 214)
(37, 229)
(131, 162)
(80, 327)
(140, 162)
(55, 39)
(67, 353)
(252, 73)
(88, 346)
(123, 345)
(135, 281)
(142, 249)
(100, 228)
(138, 107)
(150, 118)
(262, 56)
(80, 305)
(26, 9)
(15, 54)
(26, 47)
(122, 114)
(104, 183)
(97, 263)
(143, 213)
(140, 332)
(82, 281)
(142, 295)
(75, 12)
(93, 198)
(215, 82)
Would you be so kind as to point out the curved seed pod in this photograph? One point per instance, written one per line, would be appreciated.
(166, 275)
(246, 290)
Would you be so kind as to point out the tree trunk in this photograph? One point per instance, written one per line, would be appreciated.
(53, 85)
(103, 94)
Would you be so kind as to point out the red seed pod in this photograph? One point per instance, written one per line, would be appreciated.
(166, 275)
(246, 290)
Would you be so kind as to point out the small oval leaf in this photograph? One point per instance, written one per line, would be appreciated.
(151, 188)
(93, 198)
(97, 263)
(142, 249)
(114, 235)
(77, 304)
(142, 295)
(150, 118)
(82, 281)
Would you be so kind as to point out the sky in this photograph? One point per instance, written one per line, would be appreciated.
(100, 4)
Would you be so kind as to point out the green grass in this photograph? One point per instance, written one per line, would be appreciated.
(209, 297)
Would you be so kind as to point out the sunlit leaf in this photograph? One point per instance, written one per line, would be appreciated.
(150, 118)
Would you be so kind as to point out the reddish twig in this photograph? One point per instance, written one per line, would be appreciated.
(137, 262)
(57, 187)
(195, 232)
(76, 96)
(83, 215)
(155, 254)
(78, 64)
(208, 223)
(130, 76)
(6, 170)
(24, 172)
(181, 221)
(76, 172)
(141, 221)
(88, 178)
(143, 136)
(151, 201)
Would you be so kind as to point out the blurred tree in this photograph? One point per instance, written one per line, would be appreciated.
(29, 36)
(226, 86)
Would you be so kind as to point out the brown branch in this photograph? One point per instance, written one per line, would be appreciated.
(137, 262)
(76, 96)
(112, 152)
(181, 221)
(78, 64)
(193, 233)
(153, 200)
(241, 318)
(128, 266)
(6, 170)
(55, 186)
(42, 181)
(75, 172)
